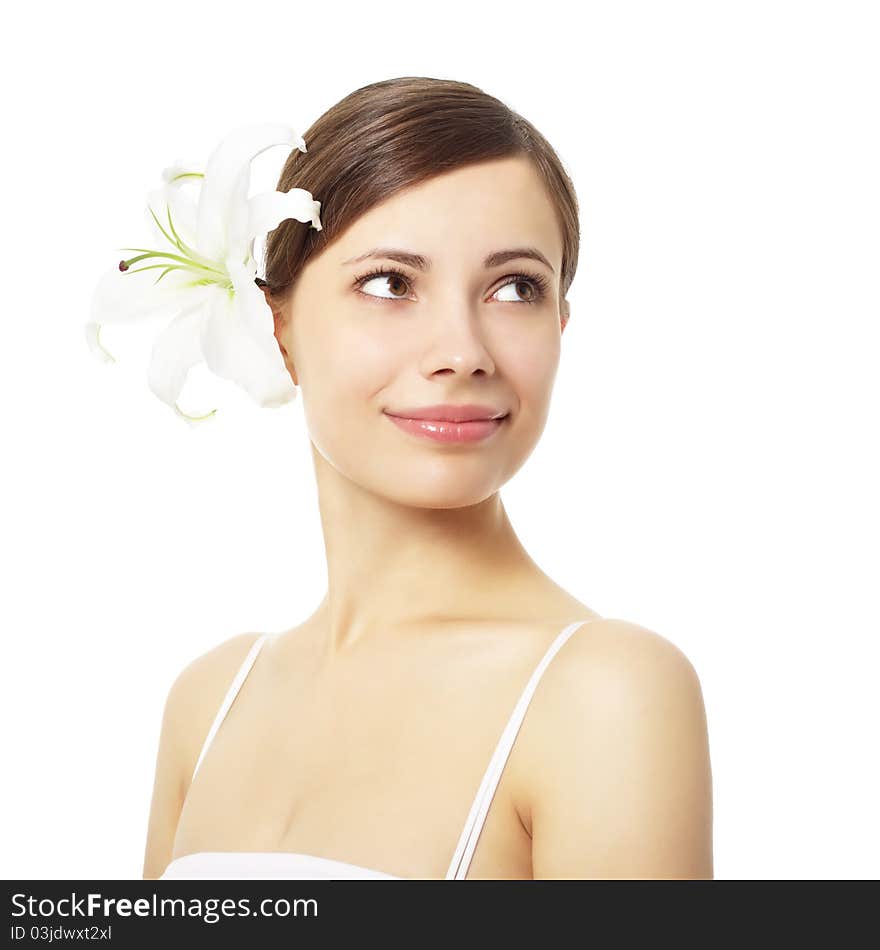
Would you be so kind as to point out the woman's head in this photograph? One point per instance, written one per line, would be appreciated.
(449, 174)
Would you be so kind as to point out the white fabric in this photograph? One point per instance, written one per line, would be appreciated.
(266, 865)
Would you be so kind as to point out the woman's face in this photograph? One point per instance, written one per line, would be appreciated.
(453, 331)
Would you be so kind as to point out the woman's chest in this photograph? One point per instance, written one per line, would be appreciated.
(380, 767)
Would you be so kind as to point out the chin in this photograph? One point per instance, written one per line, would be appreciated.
(426, 495)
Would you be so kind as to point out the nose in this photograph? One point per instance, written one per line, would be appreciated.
(457, 344)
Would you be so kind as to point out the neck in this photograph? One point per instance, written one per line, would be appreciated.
(394, 566)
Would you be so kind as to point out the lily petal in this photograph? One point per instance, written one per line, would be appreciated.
(253, 310)
(180, 203)
(181, 171)
(93, 331)
(222, 213)
(233, 352)
(268, 209)
(176, 350)
(134, 294)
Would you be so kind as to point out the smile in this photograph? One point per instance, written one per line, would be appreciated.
(442, 430)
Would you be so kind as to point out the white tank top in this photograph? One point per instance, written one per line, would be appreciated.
(270, 865)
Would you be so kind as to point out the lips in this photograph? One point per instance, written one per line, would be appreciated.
(442, 430)
(448, 412)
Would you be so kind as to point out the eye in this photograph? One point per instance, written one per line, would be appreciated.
(536, 284)
(374, 277)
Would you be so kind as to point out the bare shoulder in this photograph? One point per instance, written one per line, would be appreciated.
(191, 703)
(199, 688)
(608, 655)
(620, 776)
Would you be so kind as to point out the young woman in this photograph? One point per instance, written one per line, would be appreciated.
(448, 711)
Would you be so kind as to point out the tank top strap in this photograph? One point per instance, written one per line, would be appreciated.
(231, 693)
(473, 826)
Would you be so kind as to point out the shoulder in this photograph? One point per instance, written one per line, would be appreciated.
(619, 759)
(612, 663)
(196, 693)
(190, 704)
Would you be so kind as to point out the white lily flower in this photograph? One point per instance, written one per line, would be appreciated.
(202, 273)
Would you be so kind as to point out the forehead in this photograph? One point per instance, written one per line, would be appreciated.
(470, 211)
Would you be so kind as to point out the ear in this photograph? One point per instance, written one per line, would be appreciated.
(281, 321)
(564, 314)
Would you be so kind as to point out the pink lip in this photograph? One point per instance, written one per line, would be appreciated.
(443, 430)
(449, 412)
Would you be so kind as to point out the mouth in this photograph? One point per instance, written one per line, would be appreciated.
(448, 431)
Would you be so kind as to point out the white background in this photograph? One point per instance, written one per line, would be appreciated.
(710, 468)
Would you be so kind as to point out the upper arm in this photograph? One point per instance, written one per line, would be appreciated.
(169, 785)
(190, 707)
(624, 788)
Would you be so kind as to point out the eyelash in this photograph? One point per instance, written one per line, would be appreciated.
(539, 282)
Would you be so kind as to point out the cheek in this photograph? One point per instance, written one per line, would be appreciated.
(342, 375)
(529, 367)
(349, 382)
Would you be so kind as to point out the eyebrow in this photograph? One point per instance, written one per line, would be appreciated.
(419, 262)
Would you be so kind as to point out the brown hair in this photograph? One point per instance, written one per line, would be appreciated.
(394, 134)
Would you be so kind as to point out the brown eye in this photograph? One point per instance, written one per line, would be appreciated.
(397, 284)
(526, 289)
(401, 284)
(529, 289)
